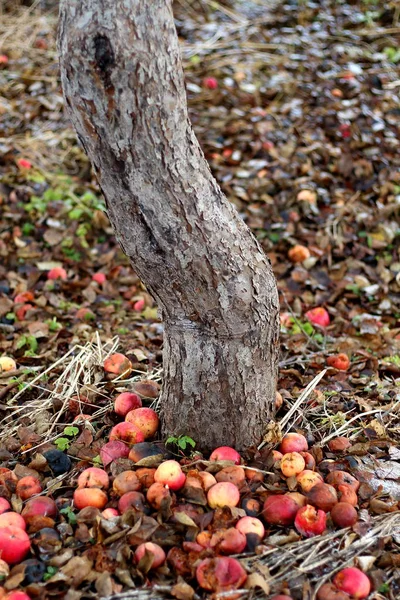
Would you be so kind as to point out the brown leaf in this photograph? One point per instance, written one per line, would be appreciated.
(256, 580)
(76, 570)
(182, 591)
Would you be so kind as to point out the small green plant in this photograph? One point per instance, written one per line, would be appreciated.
(181, 442)
(63, 443)
(53, 324)
(97, 461)
(50, 571)
(392, 54)
(69, 515)
(31, 342)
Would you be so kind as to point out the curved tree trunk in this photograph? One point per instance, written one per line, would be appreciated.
(123, 83)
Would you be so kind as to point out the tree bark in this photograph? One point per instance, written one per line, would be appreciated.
(123, 83)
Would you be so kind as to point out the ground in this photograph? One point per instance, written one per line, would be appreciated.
(296, 106)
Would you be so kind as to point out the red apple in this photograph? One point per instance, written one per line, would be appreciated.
(210, 83)
(280, 510)
(318, 316)
(170, 473)
(99, 277)
(337, 478)
(251, 525)
(223, 494)
(110, 513)
(12, 518)
(228, 541)
(126, 432)
(153, 549)
(14, 544)
(293, 442)
(126, 402)
(131, 501)
(40, 506)
(17, 595)
(4, 505)
(347, 494)
(354, 582)
(93, 496)
(57, 273)
(343, 514)
(225, 453)
(145, 419)
(341, 362)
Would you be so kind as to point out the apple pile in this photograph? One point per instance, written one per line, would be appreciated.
(226, 507)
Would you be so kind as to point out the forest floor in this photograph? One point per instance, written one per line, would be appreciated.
(297, 108)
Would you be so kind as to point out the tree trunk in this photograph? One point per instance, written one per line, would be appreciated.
(123, 83)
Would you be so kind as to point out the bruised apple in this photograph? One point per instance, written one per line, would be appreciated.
(110, 513)
(127, 481)
(307, 479)
(318, 316)
(223, 494)
(14, 544)
(323, 496)
(337, 478)
(251, 525)
(131, 501)
(145, 476)
(228, 541)
(208, 480)
(170, 473)
(143, 450)
(145, 419)
(93, 477)
(309, 521)
(292, 463)
(118, 364)
(157, 494)
(234, 474)
(220, 574)
(347, 494)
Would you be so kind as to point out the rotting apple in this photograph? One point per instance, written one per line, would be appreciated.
(323, 496)
(298, 253)
(228, 541)
(131, 501)
(343, 514)
(251, 525)
(145, 419)
(341, 361)
(234, 474)
(309, 521)
(157, 494)
(354, 582)
(280, 510)
(144, 450)
(251, 506)
(170, 473)
(14, 544)
(339, 444)
(110, 513)
(125, 402)
(220, 574)
(118, 364)
(309, 460)
(145, 476)
(57, 273)
(307, 479)
(328, 591)
(223, 494)
(292, 463)
(208, 480)
(124, 482)
(337, 478)
(347, 494)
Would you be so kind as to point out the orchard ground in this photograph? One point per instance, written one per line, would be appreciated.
(296, 107)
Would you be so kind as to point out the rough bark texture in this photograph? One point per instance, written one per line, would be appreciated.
(123, 82)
